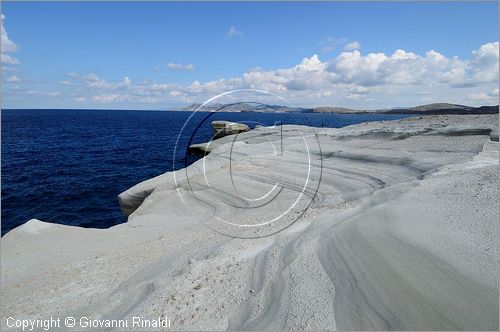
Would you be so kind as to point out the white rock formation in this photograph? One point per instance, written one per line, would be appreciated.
(224, 128)
(398, 229)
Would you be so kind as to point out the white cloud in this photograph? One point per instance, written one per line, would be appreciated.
(12, 78)
(330, 43)
(233, 32)
(179, 66)
(8, 69)
(43, 93)
(484, 64)
(93, 80)
(354, 45)
(481, 96)
(484, 96)
(349, 79)
(126, 81)
(354, 75)
(107, 98)
(8, 60)
(7, 46)
(174, 93)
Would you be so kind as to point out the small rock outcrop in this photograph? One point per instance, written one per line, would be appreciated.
(494, 135)
(225, 128)
(220, 129)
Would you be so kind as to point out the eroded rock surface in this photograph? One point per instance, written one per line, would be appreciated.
(398, 229)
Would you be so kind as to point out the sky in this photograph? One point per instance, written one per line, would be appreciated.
(161, 55)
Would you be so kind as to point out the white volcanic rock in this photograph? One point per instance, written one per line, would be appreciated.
(398, 229)
(220, 129)
(225, 128)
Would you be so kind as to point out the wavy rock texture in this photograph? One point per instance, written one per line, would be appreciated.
(389, 225)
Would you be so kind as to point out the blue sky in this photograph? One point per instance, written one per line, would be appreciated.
(161, 54)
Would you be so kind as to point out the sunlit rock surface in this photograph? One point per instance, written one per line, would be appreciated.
(387, 225)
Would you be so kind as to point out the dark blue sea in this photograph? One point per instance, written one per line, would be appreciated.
(68, 166)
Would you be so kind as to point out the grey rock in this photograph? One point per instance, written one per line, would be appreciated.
(225, 128)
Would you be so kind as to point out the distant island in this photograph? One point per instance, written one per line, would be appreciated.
(430, 109)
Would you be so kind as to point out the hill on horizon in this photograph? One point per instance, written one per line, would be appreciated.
(434, 108)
